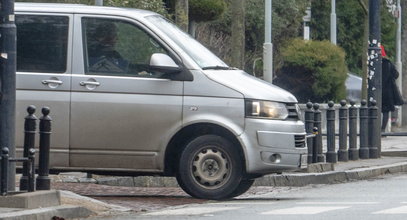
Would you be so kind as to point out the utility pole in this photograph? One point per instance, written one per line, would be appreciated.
(8, 83)
(375, 69)
(399, 64)
(307, 19)
(99, 2)
(268, 45)
(333, 22)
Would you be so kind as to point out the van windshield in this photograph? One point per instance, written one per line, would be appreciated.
(200, 54)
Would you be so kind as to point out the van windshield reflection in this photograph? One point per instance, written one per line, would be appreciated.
(200, 54)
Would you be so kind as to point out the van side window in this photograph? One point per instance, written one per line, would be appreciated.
(42, 43)
(118, 48)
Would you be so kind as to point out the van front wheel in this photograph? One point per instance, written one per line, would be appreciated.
(210, 167)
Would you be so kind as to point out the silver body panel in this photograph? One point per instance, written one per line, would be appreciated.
(126, 123)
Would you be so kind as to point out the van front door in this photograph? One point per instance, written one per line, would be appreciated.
(122, 113)
(44, 51)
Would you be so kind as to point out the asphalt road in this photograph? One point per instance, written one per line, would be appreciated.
(380, 198)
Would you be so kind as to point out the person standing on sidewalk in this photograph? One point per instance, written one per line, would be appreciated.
(391, 95)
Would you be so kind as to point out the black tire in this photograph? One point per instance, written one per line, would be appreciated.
(210, 168)
(243, 187)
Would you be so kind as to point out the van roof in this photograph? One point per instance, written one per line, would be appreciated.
(79, 9)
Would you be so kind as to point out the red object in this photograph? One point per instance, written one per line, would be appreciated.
(383, 51)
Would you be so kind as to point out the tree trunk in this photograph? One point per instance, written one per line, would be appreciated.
(404, 57)
(181, 14)
(238, 33)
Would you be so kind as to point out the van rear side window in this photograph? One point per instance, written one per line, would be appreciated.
(42, 43)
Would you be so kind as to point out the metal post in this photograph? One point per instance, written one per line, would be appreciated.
(364, 130)
(375, 65)
(343, 154)
(8, 82)
(399, 64)
(307, 19)
(43, 180)
(309, 125)
(31, 173)
(331, 156)
(353, 117)
(268, 45)
(333, 22)
(374, 131)
(318, 138)
(99, 2)
(314, 146)
(4, 171)
(29, 141)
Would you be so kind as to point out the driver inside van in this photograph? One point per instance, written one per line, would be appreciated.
(103, 57)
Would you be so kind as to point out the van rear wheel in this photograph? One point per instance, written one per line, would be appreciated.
(210, 167)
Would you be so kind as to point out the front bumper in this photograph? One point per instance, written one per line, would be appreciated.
(273, 146)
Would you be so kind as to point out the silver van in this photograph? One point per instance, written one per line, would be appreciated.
(131, 94)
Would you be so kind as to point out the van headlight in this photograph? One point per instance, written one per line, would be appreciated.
(266, 109)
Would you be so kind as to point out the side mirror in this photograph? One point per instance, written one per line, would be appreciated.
(163, 63)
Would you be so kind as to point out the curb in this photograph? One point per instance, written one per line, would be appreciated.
(394, 153)
(290, 179)
(330, 177)
(65, 211)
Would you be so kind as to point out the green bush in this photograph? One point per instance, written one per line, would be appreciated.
(313, 70)
(206, 10)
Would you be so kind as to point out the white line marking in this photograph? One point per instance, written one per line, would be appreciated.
(398, 210)
(337, 203)
(192, 211)
(242, 203)
(304, 210)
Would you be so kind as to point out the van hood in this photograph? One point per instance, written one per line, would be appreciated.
(250, 86)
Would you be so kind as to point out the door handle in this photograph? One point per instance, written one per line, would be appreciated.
(85, 83)
(51, 81)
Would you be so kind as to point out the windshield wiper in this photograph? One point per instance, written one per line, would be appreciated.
(217, 68)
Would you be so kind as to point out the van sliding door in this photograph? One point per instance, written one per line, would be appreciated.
(44, 49)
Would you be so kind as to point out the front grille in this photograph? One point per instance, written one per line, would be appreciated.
(292, 112)
(299, 141)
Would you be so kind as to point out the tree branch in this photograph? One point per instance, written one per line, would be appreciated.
(364, 7)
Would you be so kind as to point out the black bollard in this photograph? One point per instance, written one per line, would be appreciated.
(331, 156)
(314, 146)
(31, 170)
(343, 132)
(364, 130)
(4, 171)
(353, 117)
(374, 136)
(43, 180)
(29, 141)
(309, 125)
(318, 138)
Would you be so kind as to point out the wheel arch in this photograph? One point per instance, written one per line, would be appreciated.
(181, 138)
